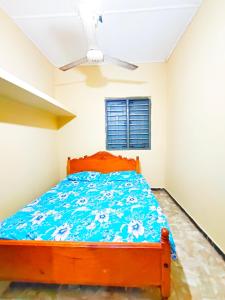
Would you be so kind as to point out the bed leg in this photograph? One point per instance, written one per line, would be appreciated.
(166, 262)
(68, 166)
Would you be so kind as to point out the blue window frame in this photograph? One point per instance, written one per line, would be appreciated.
(128, 122)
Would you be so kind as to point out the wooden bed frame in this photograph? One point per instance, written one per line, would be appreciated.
(94, 263)
(103, 162)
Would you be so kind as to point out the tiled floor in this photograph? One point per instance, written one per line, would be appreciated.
(199, 272)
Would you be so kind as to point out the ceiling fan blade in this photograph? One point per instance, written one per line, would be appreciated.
(74, 64)
(121, 63)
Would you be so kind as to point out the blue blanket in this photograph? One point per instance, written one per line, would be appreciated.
(90, 206)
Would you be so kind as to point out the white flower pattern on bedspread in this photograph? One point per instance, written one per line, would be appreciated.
(93, 207)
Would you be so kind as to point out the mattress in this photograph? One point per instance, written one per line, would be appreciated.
(92, 207)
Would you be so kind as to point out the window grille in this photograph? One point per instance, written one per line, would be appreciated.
(128, 123)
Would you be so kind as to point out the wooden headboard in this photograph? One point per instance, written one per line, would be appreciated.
(103, 162)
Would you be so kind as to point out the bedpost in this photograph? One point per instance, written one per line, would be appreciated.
(138, 168)
(68, 166)
(166, 261)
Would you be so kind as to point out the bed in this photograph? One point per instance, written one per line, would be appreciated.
(101, 191)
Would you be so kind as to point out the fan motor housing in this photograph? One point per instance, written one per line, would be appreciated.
(95, 55)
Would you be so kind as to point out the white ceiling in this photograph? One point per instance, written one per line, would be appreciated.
(133, 30)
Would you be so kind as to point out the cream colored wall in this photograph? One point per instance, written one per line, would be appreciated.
(196, 121)
(28, 154)
(20, 57)
(84, 90)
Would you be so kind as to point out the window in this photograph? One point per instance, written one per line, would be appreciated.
(128, 123)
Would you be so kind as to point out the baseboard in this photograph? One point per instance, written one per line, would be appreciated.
(218, 250)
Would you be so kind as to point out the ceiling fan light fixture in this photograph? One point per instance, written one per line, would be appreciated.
(90, 19)
(95, 56)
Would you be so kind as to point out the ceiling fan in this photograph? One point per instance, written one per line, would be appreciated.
(91, 19)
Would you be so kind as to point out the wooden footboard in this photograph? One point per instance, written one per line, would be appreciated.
(108, 264)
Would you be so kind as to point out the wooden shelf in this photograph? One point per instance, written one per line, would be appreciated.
(17, 90)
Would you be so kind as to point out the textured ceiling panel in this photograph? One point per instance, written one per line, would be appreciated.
(134, 30)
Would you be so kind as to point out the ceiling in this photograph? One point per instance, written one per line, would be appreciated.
(134, 30)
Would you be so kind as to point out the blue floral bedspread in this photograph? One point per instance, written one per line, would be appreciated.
(90, 206)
